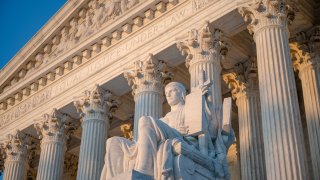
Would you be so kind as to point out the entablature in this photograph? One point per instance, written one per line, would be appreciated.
(107, 62)
(74, 43)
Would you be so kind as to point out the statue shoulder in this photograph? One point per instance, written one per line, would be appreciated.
(165, 119)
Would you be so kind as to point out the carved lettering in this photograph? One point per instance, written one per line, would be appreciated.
(68, 82)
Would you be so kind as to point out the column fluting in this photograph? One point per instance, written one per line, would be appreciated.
(95, 124)
(281, 121)
(244, 88)
(306, 60)
(146, 79)
(52, 129)
(16, 157)
(204, 50)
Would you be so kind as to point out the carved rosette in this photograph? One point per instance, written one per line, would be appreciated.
(97, 104)
(52, 127)
(149, 75)
(262, 13)
(204, 45)
(243, 80)
(16, 148)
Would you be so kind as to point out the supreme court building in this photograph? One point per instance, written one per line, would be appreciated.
(97, 66)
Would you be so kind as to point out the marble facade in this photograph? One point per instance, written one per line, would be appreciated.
(98, 66)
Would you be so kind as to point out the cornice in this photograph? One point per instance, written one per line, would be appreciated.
(39, 39)
(109, 63)
(109, 34)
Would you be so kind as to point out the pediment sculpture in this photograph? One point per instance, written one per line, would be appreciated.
(91, 19)
(169, 148)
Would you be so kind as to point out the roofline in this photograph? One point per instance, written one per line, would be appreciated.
(42, 35)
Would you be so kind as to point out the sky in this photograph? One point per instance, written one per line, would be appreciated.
(20, 20)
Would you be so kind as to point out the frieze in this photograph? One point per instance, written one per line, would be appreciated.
(91, 20)
(53, 90)
(199, 4)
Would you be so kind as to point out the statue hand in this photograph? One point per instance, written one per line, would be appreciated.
(204, 89)
(204, 86)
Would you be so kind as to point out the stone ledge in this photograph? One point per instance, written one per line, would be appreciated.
(132, 175)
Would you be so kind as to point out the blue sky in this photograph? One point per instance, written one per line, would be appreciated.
(20, 20)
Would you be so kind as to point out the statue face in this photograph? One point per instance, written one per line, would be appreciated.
(174, 95)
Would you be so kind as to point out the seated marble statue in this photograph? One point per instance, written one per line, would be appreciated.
(152, 153)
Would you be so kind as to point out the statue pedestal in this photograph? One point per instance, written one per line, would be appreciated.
(132, 175)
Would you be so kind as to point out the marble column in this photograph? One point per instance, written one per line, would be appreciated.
(16, 157)
(281, 121)
(204, 49)
(306, 60)
(243, 83)
(146, 79)
(51, 130)
(94, 107)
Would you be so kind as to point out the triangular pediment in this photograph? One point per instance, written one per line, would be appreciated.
(65, 38)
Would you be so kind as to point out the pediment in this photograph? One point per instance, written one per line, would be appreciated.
(65, 38)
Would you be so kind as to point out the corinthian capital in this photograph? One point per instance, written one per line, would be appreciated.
(300, 58)
(204, 44)
(243, 79)
(96, 102)
(16, 148)
(149, 75)
(315, 41)
(261, 13)
(305, 50)
(52, 126)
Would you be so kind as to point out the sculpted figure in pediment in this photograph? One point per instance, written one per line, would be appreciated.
(90, 21)
(63, 43)
(116, 7)
(165, 149)
(96, 15)
(73, 31)
(83, 24)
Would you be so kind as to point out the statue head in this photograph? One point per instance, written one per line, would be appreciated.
(175, 93)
